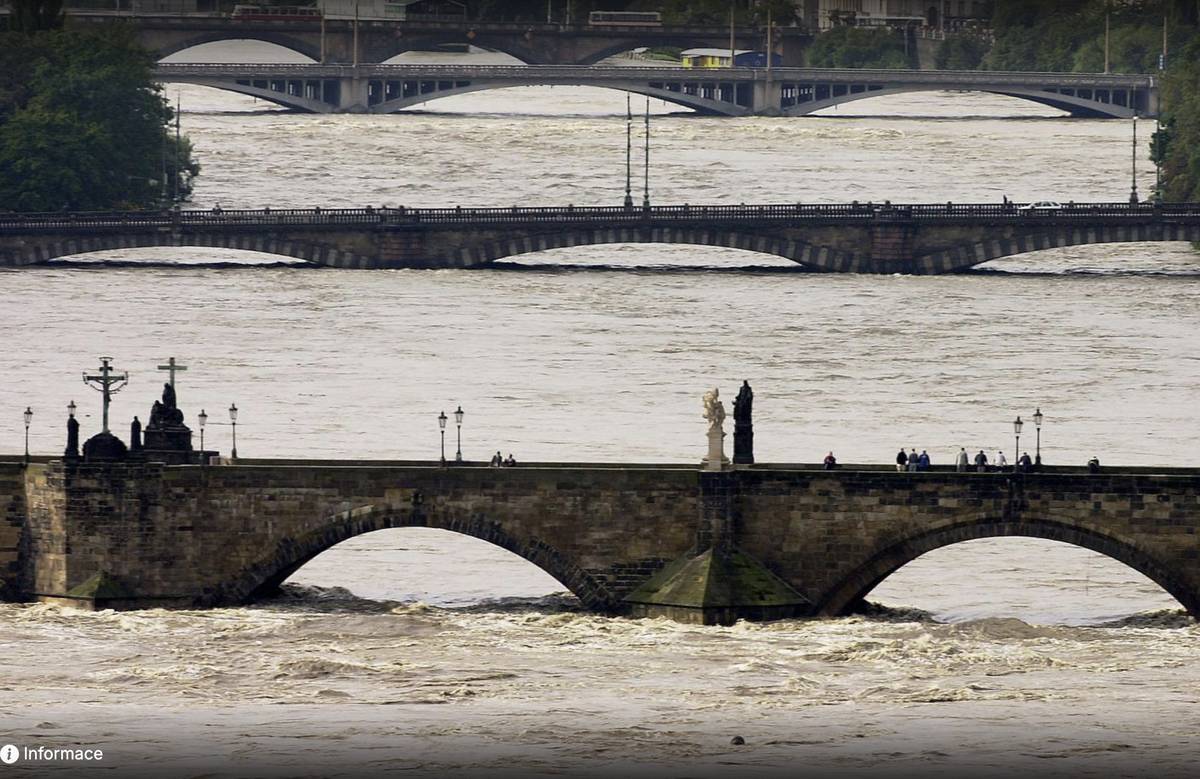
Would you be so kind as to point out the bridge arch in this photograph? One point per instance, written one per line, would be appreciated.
(1054, 236)
(290, 554)
(1077, 106)
(695, 102)
(310, 252)
(292, 43)
(851, 590)
(808, 255)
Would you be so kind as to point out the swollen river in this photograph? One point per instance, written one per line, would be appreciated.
(427, 653)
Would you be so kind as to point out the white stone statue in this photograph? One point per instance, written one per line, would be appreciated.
(714, 409)
(714, 412)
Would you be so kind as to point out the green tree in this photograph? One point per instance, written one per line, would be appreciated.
(83, 126)
(961, 52)
(858, 47)
(1177, 145)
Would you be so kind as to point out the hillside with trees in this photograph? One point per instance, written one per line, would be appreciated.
(82, 124)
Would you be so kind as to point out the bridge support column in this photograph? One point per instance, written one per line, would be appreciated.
(768, 97)
(353, 96)
(717, 583)
(891, 248)
(98, 536)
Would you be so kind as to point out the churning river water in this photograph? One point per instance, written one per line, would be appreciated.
(426, 653)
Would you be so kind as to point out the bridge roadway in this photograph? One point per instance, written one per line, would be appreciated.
(762, 541)
(726, 91)
(377, 40)
(854, 237)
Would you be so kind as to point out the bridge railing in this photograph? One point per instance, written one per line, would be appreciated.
(685, 213)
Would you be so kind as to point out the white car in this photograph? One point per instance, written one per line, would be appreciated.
(1042, 205)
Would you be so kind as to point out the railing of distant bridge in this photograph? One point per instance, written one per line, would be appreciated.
(686, 213)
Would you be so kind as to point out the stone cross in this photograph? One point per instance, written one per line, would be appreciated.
(107, 383)
(172, 367)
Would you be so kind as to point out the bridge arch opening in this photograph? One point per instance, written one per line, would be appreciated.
(940, 104)
(217, 50)
(178, 257)
(1039, 572)
(538, 100)
(656, 257)
(430, 565)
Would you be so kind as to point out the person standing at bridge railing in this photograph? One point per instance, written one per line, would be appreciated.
(963, 461)
(981, 462)
(901, 460)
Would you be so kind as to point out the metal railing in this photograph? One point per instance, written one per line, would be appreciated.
(600, 215)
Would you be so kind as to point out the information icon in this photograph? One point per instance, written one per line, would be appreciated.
(9, 754)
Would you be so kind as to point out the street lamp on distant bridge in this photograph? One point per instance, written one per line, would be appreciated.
(1037, 423)
(28, 420)
(1017, 425)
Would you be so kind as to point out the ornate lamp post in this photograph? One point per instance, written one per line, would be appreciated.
(202, 418)
(458, 417)
(442, 426)
(233, 422)
(1037, 423)
(28, 419)
(1017, 425)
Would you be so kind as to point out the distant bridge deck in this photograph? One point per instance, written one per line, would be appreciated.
(720, 91)
(377, 40)
(853, 237)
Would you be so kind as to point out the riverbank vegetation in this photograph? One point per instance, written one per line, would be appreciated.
(82, 124)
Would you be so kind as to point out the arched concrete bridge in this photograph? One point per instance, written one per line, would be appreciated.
(728, 92)
(774, 540)
(378, 40)
(849, 238)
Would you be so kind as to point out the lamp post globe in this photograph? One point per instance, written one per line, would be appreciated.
(233, 411)
(442, 418)
(28, 420)
(1017, 425)
(201, 419)
(1037, 423)
(458, 418)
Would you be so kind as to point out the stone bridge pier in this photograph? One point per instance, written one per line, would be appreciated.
(761, 542)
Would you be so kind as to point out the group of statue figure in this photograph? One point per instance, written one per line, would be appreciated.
(743, 427)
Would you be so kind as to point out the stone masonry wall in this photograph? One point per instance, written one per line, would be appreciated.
(202, 536)
(833, 536)
(12, 523)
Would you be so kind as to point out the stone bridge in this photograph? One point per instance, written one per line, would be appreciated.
(377, 40)
(728, 91)
(855, 238)
(760, 541)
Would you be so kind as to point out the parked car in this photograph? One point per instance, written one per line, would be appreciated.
(1042, 205)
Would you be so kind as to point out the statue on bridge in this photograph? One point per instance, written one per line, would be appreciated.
(743, 427)
(714, 412)
(165, 436)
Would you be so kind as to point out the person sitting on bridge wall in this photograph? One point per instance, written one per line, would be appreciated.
(1094, 465)
(510, 461)
(830, 462)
